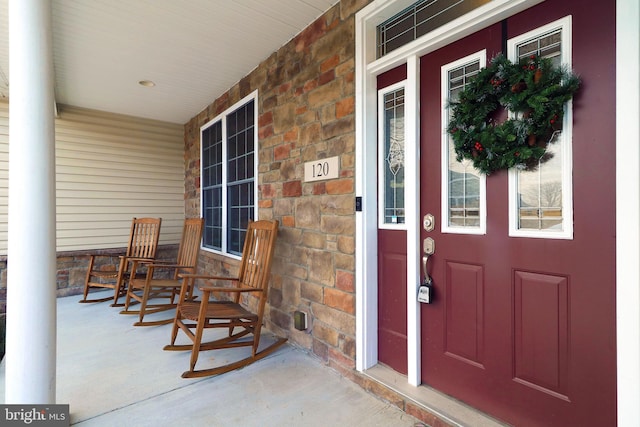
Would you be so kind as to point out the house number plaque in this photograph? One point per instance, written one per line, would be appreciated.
(321, 169)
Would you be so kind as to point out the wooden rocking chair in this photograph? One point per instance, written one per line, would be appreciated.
(158, 282)
(253, 278)
(143, 244)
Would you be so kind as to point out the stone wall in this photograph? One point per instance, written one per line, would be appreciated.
(306, 93)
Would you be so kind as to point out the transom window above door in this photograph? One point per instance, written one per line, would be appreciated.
(419, 19)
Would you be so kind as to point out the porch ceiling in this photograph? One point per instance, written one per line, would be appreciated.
(194, 50)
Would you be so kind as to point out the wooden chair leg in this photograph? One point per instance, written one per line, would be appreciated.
(118, 292)
(174, 330)
(256, 338)
(120, 282)
(143, 303)
(195, 351)
(87, 280)
(86, 283)
(127, 300)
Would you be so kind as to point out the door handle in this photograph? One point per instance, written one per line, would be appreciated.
(425, 291)
(429, 248)
(425, 269)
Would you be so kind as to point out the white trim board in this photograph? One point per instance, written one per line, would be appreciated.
(627, 210)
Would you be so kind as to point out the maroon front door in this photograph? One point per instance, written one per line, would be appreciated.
(523, 323)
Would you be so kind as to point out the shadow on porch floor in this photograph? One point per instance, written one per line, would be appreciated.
(112, 373)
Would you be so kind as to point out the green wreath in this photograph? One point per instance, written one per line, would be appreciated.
(533, 90)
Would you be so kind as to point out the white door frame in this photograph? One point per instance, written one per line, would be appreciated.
(627, 181)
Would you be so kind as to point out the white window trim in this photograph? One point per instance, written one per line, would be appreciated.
(221, 118)
(381, 158)
(480, 56)
(564, 142)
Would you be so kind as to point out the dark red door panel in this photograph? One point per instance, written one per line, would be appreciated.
(524, 328)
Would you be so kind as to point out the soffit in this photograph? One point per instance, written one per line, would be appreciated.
(194, 50)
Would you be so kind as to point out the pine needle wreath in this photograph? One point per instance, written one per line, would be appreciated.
(533, 90)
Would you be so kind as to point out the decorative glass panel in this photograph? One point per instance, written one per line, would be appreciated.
(464, 184)
(540, 194)
(540, 197)
(392, 162)
(547, 46)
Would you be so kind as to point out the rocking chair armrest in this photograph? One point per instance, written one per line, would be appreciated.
(136, 258)
(224, 289)
(205, 276)
(146, 262)
(161, 265)
(101, 255)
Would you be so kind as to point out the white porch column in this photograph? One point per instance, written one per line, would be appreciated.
(31, 264)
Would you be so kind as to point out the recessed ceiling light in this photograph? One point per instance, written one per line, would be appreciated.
(146, 83)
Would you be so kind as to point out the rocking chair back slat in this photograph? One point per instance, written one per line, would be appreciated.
(145, 233)
(190, 246)
(255, 267)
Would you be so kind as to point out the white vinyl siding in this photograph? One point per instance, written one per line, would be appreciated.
(109, 169)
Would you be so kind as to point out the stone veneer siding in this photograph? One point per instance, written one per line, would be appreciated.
(306, 94)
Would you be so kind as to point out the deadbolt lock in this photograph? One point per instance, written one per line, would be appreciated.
(428, 246)
(428, 222)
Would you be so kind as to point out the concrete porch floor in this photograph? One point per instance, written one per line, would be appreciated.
(114, 374)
